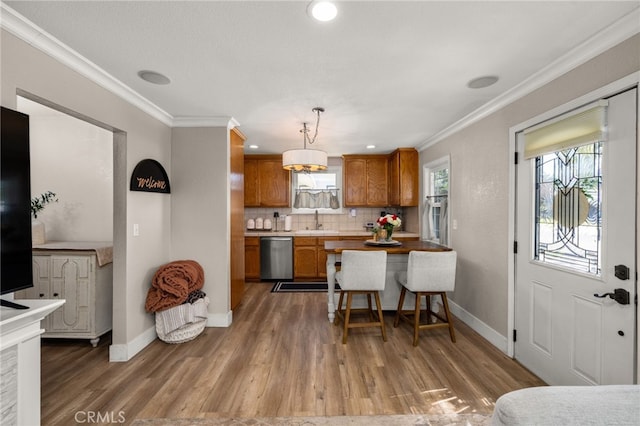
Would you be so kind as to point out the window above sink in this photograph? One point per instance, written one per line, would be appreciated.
(319, 191)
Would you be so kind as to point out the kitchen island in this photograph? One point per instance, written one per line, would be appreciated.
(397, 257)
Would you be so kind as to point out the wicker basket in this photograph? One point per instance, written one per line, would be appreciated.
(188, 331)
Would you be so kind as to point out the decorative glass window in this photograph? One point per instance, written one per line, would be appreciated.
(568, 223)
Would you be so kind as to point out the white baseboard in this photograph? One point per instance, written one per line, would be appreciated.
(123, 353)
(495, 338)
(220, 320)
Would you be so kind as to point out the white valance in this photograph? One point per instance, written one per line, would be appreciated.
(580, 127)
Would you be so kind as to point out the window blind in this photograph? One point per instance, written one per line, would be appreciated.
(580, 127)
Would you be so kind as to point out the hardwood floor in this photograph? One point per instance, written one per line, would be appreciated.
(280, 357)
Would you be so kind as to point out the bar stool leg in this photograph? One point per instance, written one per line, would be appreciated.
(452, 333)
(396, 321)
(416, 319)
(336, 319)
(347, 317)
(380, 316)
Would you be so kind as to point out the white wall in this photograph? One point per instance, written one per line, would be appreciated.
(73, 159)
(480, 164)
(137, 136)
(200, 211)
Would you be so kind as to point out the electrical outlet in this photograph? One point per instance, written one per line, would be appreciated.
(136, 230)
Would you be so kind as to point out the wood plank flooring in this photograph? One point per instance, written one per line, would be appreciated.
(280, 357)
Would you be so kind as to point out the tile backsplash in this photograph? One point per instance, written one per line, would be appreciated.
(337, 222)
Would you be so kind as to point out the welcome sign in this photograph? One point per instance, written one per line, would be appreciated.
(150, 176)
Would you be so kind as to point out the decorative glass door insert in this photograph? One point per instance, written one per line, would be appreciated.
(568, 220)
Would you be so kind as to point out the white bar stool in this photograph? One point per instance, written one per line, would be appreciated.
(361, 272)
(428, 274)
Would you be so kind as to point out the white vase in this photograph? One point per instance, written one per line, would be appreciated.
(37, 232)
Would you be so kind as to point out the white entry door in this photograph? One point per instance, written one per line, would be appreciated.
(575, 231)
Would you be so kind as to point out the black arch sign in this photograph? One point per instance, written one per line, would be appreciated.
(150, 176)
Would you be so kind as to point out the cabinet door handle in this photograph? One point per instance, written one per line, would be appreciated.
(41, 294)
(56, 294)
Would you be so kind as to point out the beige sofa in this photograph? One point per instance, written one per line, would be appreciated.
(569, 405)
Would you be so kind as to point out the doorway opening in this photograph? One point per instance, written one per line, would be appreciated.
(84, 162)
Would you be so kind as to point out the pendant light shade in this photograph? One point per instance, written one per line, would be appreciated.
(306, 160)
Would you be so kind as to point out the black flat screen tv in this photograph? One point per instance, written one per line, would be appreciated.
(15, 205)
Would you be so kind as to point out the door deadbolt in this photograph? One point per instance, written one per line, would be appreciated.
(621, 272)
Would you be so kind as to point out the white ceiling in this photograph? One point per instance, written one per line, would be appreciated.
(389, 73)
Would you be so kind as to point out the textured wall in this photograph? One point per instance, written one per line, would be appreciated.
(137, 136)
(480, 179)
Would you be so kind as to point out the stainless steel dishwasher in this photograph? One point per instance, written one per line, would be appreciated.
(276, 258)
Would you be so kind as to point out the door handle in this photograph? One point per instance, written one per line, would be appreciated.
(620, 295)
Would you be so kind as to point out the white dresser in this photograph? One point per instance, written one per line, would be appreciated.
(20, 361)
(82, 274)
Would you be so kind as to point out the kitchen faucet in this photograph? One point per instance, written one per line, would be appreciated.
(318, 225)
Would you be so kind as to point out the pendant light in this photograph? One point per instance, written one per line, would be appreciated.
(306, 160)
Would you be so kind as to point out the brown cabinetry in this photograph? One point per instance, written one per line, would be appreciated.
(252, 258)
(305, 258)
(251, 183)
(403, 177)
(322, 257)
(365, 180)
(309, 258)
(266, 183)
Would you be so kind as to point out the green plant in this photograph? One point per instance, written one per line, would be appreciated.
(38, 203)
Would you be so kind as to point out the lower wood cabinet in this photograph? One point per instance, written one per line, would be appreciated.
(309, 257)
(252, 258)
(322, 257)
(86, 287)
(305, 258)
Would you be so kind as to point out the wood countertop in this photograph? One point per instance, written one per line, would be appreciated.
(405, 247)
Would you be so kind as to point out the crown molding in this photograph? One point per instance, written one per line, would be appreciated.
(21, 27)
(616, 33)
(219, 121)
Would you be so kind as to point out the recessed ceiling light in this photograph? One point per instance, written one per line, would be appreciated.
(322, 10)
(153, 77)
(370, 146)
(481, 82)
(253, 146)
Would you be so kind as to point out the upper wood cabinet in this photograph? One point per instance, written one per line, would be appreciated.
(365, 180)
(251, 186)
(266, 183)
(403, 177)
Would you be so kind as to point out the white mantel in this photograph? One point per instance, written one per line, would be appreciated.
(20, 366)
